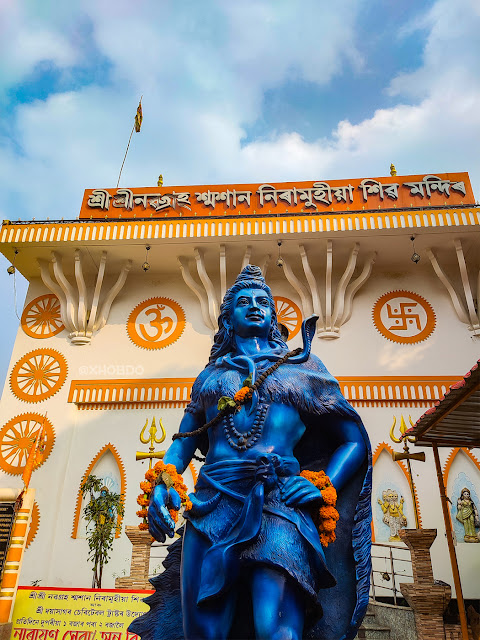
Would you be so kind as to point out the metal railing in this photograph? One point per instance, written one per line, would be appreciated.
(391, 565)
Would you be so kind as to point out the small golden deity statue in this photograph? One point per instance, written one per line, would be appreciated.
(393, 513)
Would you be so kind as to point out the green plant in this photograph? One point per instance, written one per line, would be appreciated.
(103, 514)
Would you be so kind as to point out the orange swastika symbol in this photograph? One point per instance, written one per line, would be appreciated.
(404, 317)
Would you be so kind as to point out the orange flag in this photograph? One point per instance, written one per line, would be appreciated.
(139, 117)
(42, 444)
(35, 455)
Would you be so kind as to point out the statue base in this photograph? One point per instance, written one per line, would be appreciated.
(138, 578)
(427, 599)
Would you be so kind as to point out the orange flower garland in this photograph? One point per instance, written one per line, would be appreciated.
(166, 474)
(243, 394)
(327, 516)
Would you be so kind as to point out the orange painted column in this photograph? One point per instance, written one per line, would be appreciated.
(13, 561)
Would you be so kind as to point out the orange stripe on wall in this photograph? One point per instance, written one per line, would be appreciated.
(19, 530)
(5, 607)
(14, 554)
(9, 580)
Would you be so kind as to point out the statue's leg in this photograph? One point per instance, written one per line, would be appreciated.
(208, 621)
(278, 606)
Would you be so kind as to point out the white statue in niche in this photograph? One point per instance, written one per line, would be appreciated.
(467, 514)
(393, 515)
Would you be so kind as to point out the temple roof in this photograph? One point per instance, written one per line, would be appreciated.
(454, 421)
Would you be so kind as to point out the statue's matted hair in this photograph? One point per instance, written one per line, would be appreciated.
(250, 278)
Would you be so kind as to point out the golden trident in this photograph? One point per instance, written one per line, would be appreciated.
(152, 440)
(406, 455)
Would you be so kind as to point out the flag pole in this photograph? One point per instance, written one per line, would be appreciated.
(125, 156)
(136, 127)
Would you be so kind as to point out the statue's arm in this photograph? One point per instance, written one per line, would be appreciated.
(346, 459)
(349, 454)
(383, 505)
(179, 454)
(181, 450)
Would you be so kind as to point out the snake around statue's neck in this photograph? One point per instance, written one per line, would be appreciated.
(296, 356)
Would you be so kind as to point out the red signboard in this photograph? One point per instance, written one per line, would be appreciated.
(338, 196)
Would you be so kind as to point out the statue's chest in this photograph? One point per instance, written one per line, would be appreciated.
(243, 429)
(267, 424)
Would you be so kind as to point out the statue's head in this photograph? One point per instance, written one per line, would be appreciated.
(232, 320)
(390, 495)
(465, 494)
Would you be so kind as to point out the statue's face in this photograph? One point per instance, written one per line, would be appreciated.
(391, 496)
(251, 314)
(466, 495)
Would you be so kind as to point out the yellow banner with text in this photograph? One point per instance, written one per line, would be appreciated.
(76, 614)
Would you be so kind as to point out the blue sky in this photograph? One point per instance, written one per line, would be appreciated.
(265, 90)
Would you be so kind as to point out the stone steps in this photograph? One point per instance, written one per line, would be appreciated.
(371, 630)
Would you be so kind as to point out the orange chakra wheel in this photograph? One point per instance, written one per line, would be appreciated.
(288, 314)
(41, 317)
(38, 375)
(17, 438)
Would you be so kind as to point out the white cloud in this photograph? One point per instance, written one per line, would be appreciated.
(26, 41)
(451, 53)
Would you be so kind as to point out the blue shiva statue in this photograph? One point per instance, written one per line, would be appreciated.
(251, 564)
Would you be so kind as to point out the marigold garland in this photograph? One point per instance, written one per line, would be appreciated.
(243, 394)
(327, 516)
(166, 474)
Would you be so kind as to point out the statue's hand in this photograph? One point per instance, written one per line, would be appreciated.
(160, 521)
(297, 491)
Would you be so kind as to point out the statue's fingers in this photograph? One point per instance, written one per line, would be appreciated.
(156, 519)
(160, 494)
(307, 494)
(309, 498)
(160, 519)
(155, 531)
(297, 484)
(174, 500)
(292, 484)
(289, 492)
(303, 495)
(167, 521)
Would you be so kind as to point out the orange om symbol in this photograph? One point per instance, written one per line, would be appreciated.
(157, 323)
(165, 327)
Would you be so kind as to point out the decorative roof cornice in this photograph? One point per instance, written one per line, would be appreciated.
(111, 230)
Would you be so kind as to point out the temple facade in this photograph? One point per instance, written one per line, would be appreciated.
(122, 307)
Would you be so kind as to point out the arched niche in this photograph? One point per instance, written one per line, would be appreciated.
(388, 474)
(107, 465)
(462, 471)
